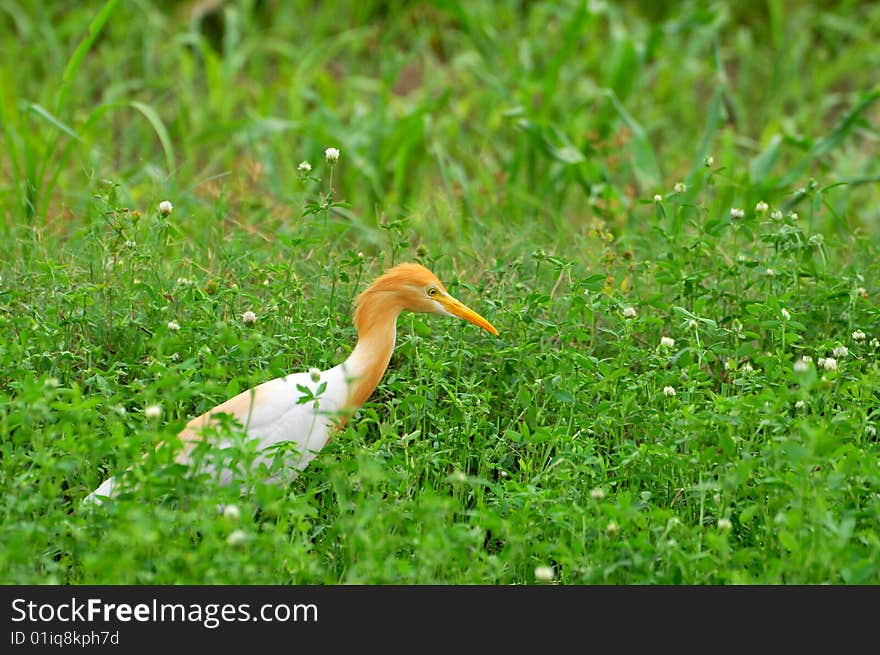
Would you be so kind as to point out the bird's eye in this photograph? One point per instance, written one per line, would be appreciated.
(432, 291)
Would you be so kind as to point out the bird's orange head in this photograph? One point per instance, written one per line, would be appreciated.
(414, 288)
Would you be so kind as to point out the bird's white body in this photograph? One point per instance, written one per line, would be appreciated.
(280, 417)
(271, 413)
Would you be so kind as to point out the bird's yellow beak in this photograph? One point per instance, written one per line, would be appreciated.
(457, 308)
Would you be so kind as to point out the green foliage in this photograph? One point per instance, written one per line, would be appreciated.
(592, 177)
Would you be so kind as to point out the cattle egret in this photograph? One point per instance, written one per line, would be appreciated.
(274, 412)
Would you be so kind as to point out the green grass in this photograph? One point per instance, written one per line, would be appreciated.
(515, 149)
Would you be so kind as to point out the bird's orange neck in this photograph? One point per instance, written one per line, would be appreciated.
(376, 323)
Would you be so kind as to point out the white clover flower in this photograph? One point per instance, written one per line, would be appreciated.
(747, 368)
(629, 312)
(840, 351)
(304, 167)
(785, 314)
(770, 272)
(248, 318)
(184, 282)
(165, 208)
(611, 528)
(761, 207)
(716, 497)
(724, 524)
(828, 363)
(776, 215)
(708, 161)
(173, 326)
(793, 216)
(544, 573)
(657, 198)
(315, 374)
(668, 391)
(858, 335)
(861, 292)
(692, 324)
(875, 343)
(503, 474)
(332, 155)
(597, 494)
(801, 366)
(736, 213)
(870, 430)
(231, 512)
(800, 405)
(680, 187)
(153, 411)
(130, 243)
(236, 538)
(667, 342)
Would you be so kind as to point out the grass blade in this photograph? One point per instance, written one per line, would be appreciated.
(761, 165)
(76, 59)
(43, 113)
(834, 139)
(155, 121)
(644, 160)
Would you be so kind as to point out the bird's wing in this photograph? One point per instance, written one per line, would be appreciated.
(271, 413)
(283, 409)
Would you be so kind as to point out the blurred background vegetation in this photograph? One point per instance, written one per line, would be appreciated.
(452, 113)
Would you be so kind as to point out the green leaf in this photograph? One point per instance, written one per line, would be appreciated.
(523, 397)
(834, 139)
(760, 166)
(52, 120)
(644, 160)
(788, 540)
(595, 282)
(624, 66)
(159, 127)
(564, 396)
(232, 388)
(83, 48)
(844, 126)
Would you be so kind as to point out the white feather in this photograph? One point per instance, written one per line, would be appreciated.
(272, 415)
